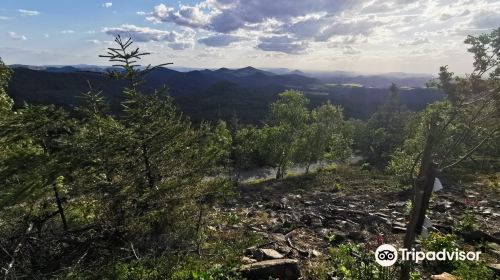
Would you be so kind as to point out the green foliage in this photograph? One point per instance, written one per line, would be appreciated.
(467, 222)
(471, 270)
(145, 179)
(219, 142)
(461, 269)
(385, 131)
(438, 241)
(217, 273)
(137, 270)
(467, 121)
(5, 101)
(245, 148)
(36, 136)
(296, 135)
(127, 60)
(352, 261)
(287, 116)
(325, 137)
(408, 207)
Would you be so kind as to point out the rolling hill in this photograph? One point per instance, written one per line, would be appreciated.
(205, 94)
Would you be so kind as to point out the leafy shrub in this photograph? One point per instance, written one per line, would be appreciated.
(466, 223)
(146, 270)
(353, 261)
(468, 270)
(408, 207)
(218, 272)
(317, 270)
(438, 241)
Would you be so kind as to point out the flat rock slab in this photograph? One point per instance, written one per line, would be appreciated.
(495, 267)
(283, 269)
(267, 254)
(443, 276)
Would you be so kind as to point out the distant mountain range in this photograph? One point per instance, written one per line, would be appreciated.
(383, 80)
(220, 93)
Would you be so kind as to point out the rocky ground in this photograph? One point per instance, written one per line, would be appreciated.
(300, 217)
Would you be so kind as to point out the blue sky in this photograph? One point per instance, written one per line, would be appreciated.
(353, 35)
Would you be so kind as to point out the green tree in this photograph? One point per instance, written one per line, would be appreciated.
(279, 139)
(37, 163)
(5, 101)
(385, 130)
(246, 149)
(324, 137)
(466, 121)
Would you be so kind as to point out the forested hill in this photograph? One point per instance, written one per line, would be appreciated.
(206, 94)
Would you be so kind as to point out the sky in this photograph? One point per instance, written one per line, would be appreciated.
(376, 36)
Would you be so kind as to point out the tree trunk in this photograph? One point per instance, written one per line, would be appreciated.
(308, 166)
(421, 196)
(60, 208)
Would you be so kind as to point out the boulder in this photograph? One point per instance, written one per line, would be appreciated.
(248, 260)
(396, 229)
(495, 267)
(283, 269)
(494, 248)
(267, 254)
(443, 276)
(476, 236)
(398, 204)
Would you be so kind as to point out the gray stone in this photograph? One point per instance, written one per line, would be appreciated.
(398, 224)
(285, 250)
(495, 267)
(283, 269)
(316, 253)
(397, 204)
(247, 260)
(396, 229)
(267, 254)
(443, 276)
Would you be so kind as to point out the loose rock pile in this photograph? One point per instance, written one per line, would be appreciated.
(302, 224)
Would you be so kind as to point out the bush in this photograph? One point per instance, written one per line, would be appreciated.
(466, 223)
(353, 261)
(468, 270)
(217, 273)
(438, 242)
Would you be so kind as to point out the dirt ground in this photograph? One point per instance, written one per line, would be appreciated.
(302, 216)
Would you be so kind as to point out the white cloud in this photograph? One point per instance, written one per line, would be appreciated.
(348, 50)
(99, 42)
(94, 41)
(415, 42)
(67, 32)
(486, 20)
(140, 34)
(107, 5)
(180, 45)
(220, 40)
(145, 34)
(15, 36)
(141, 13)
(190, 16)
(4, 18)
(28, 12)
(284, 44)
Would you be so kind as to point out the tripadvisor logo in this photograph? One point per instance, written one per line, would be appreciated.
(387, 255)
